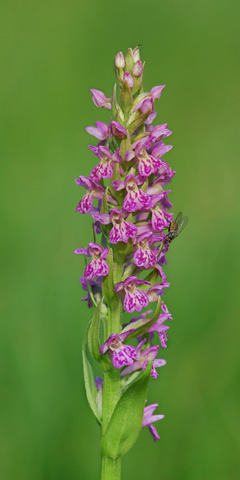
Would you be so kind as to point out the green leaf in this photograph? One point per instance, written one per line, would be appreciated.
(129, 60)
(89, 380)
(122, 251)
(114, 100)
(144, 187)
(116, 173)
(119, 116)
(93, 334)
(125, 146)
(108, 283)
(142, 326)
(138, 121)
(153, 276)
(126, 96)
(141, 135)
(137, 84)
(129, 271)
(126, 422)
(104, 203)
(104, 238)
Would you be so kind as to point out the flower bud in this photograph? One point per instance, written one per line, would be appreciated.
(100, 99)
(147, 104)
(118, 130)
(136, 55)
(119, 60)
(156, 92)
(137, 69)
(128, 77)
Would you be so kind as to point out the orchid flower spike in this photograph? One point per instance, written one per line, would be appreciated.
(131, 228)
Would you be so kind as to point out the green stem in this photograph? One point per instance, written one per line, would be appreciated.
(111, 382)
(111, 469)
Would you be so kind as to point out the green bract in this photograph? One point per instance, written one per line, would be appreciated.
(89, 380)
(126, 421)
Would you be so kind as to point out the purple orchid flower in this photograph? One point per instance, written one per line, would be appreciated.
(159, 148)
(147, 104)
(97, 266)
(121, 230)
(156, 92)
(160, 218)
(160, 269)
(94, 190)
(135, 199)
(144, 256)
(156, 291)
(104, 169)
(145, 226)
(165, 310)
(118, 130)
(97, 227)
(143, 358)
(161, 329)
(157, 327)
(101, 131)
(159, 132)
(165, 174)
(121, 354)
(163, 336)
(149, 418)
(150, 119)
(100, 99)
(148, 98)
(94, 149)
(147, 164)
(134, 299)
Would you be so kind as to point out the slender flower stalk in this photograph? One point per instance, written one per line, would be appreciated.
(127, 201)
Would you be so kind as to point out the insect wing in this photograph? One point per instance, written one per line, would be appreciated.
(181, 222)
(173, 227)
(176, 227)
(178, 218)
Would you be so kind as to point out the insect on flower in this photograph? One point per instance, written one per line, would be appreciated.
(175, 227)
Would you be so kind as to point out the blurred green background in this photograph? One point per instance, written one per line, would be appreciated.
(52, 53)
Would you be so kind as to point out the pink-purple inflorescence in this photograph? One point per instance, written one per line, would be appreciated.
(128, 179)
